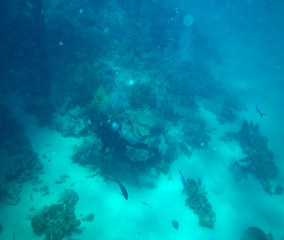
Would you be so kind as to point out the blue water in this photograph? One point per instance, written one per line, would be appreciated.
(187, 81)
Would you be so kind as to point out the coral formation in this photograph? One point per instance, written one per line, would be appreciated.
(58, 220)
(69, 123)
(108, 164)
(10, 196)
(198, 202)
(228, 111)
(238, 170)
(23, 161)
(142, 120)
(100, 100)
(254, 146)
(195, 133)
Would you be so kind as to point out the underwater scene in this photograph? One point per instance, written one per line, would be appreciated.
(142, 120)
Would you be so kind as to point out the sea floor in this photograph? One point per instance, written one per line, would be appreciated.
(149, 212)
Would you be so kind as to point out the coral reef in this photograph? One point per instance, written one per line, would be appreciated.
(100, 101)
(254, 146)
(198, 202)
(109, 164)
(118, 98)
(70, 123)
(238, 170)
(24, 167)
(255, 233)
(195, 133)
(23, 161)
(224, 106)
(251, 139)
(228, 111)
(10, 196)
(58, 220)
(142, 120)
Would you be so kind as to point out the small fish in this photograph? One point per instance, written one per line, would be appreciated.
(123, 190)
(243, 163)
(147, 204)
(182, 178)
(257, 108)
(31, 196)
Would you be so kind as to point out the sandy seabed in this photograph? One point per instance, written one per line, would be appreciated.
(149, 212)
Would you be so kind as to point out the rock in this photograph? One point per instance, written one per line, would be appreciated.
(175, 224)
(255, 233)
(69, 197)
(62, 179)
(44, 191)
(89, 218)
(10, 197)
(13, 174)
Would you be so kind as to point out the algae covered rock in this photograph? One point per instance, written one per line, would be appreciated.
(58, 220)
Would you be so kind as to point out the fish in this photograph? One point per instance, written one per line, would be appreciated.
(123, 190)
(147, 204)
(243, 163)
(182, 178)
(257, 108)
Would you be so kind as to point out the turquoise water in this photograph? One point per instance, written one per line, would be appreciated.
(189, 86)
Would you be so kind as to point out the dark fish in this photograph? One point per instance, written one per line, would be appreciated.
(123, 190)
(257, 108)
(182, 178)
